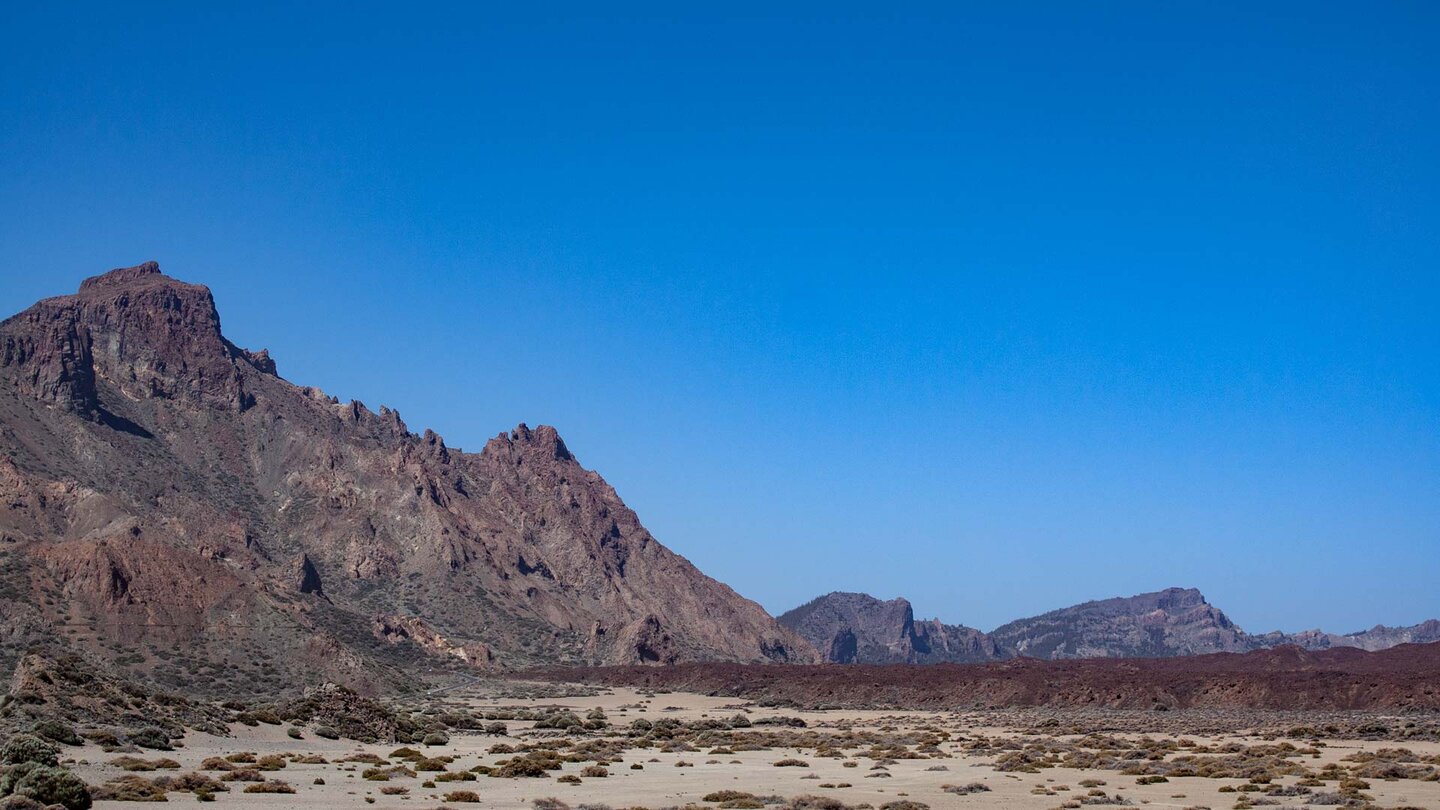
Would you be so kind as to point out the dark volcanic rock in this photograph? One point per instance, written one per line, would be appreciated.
(170, 490)
(1400, 679)
(849, 628)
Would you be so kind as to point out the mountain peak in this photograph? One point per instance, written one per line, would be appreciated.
(849, 627)
(122, 276)
(1172, 598)
(542, 438)
(134, 330)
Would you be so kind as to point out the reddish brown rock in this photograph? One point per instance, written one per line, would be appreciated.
(1400, 679)
(171, 489)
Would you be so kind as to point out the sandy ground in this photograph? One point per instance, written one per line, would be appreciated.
(662, 784)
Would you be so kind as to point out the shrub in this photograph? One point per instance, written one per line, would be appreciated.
(150, 737)
(129, 763)
(193, 782)
(56, 731)
(269, 787)
(519, 767)
(726, 796)
(14, 774)
(792, 763)
(129, 789)
(550, 803)
(293, 733)
(436, 738)
(24, 748)
(594, 771)
(963, 790)
(815, 803)
(51, 785)
(327, 732)
(1332, 800)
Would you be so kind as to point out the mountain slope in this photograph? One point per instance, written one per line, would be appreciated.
(850, 628)
(1175, 621)
(166, 490)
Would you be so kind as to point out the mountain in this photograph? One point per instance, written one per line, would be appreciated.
(1175, 621)
(853, 628)
(1378, 637)
(850, 628)
(172, 504)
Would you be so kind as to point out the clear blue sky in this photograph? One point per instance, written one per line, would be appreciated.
(998, 308)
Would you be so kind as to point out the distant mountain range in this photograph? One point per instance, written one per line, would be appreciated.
(858, 628)
(175, 510)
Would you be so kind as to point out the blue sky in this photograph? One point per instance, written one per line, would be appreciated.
(1000, 308)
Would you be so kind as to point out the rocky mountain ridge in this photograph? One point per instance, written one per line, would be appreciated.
(858, 628)
(172, 503)
(849, 628)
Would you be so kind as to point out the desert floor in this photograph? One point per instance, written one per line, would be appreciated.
(662, 782)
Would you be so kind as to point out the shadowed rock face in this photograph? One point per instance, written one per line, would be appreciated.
(167, 487)
(849, 628)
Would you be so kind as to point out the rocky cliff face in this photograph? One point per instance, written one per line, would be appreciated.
(166, 491)
(1175, 621)
(852, 628)
(849, 628)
